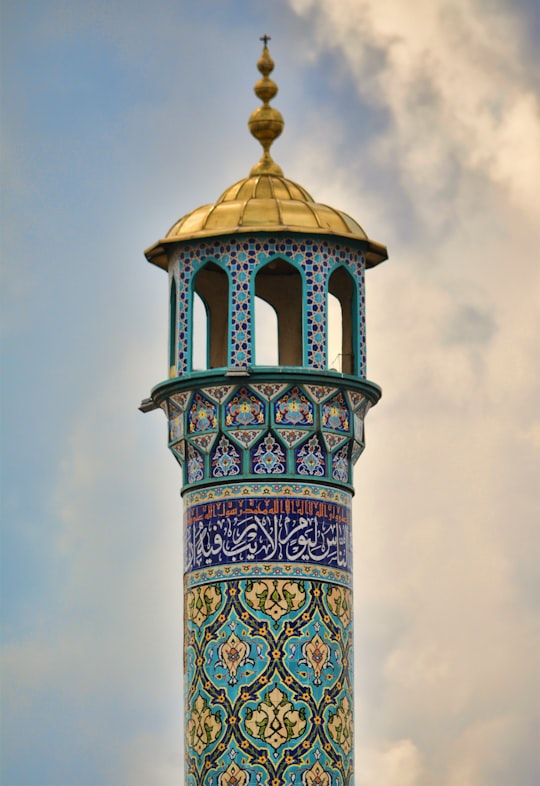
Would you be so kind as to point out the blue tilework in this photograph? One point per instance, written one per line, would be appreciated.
(268, 529)
(242, 255)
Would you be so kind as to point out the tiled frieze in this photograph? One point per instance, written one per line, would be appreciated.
(243, 256)
(268, 530)
(257, 429)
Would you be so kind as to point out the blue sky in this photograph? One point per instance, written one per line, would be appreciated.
(423, 122)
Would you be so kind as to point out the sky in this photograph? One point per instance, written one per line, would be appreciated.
(420, 119)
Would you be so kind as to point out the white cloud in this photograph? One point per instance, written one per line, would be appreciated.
(396, 764)
(453, 87)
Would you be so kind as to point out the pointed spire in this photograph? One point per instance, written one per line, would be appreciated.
(266, 123)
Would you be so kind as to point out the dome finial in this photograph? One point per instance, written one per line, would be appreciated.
(266, 123)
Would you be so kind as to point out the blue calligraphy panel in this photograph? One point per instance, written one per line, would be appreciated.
(268, 529)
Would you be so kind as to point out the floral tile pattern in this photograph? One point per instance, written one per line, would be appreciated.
(244, 409)
(310, 459)
(270, 684)
(293, 409)
(340, 465)
(269, 429)
(335, 413)
(225, 459)
(202, 415)
(268, 457)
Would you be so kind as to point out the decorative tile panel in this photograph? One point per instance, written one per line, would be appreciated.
(358, 449)
(268, 529)
(358, 428)
(225, 459)
(291, 436)
(204, 441)
(320, 392)
(202, 414)
(340, 465)
(269, 390)
(268, 457)
(333, 441)
(357, 400)
(246, 437)
(176, 423)
(310, 458)
(180, 399)
(244, 409)
(293, 409)
(179, 451)
(335, 413)
(287, 489)
(195, 465)
(218, 393)
(269, 678)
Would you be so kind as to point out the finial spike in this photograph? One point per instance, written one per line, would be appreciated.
(266, 123)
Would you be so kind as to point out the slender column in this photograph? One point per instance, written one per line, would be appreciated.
(268, 601)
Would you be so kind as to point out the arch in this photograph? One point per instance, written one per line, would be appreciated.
(199, 334)
(173, 361)
(335, 333)
(266, 334)
(211, 284)
(343, 287)
(281, 285)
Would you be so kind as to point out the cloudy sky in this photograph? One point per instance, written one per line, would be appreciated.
(422, 120)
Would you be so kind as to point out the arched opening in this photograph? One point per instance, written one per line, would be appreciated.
(342, 286)
(280, 284)
(199, 335)
(335, 333)
(172, 330)
(212, 285)
(266, 334)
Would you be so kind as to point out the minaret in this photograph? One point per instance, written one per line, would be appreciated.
(267, 455)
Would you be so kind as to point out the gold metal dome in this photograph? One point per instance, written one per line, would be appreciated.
(265, 201)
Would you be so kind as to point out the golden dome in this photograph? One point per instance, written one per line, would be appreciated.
(265, 201)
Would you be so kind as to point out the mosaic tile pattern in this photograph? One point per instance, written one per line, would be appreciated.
(244, 409)
(340, 465)
(246, 437)
(333, 441)
(335, 413)
(310, 458)
(202, 414)
(268, 529)
(267, 429)
(242, 256)
(269, 680)
(225, 459)
(258, 488)
(294, 409)
(275, 570)
(195, 465)
(268, 457)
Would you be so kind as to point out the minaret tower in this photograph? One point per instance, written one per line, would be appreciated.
(267, 455)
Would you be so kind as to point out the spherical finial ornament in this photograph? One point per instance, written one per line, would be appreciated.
(266, 123)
